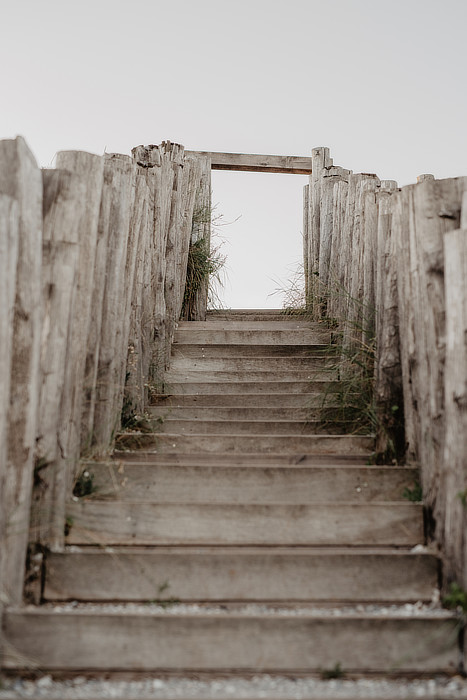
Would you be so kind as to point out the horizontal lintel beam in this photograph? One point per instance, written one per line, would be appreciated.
(247, 162)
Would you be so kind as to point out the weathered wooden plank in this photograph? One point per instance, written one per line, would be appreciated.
(242, 574)
(388, 378)
(90, 169)
(151, 641)
(9, 239)
(125, 523)
(298, 165)
(116, 209)
(62, 200)
(248, 484)
(252, 337)
(20, 180)
(454, 470)
(195, 301)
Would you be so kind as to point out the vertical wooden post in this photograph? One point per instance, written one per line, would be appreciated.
(201, 231)
(306, 240)
(454, 465)
(90, 168)
(62, 200)
(9, 239)
(320, 160)
(116, 209)
(20, 179)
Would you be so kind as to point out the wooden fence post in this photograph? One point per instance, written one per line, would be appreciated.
(425, 213)
(454, 466)
(117, 204)
(201, 231)
(9, 238)
(90, 168)
(62, 198)
(320, 159)
(20, 179)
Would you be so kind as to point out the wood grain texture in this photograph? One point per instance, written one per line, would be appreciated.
(63, 193)
(9, 240)
(135, 523)
(163, 483)
(248, 162)
(20, 180)
(454, 464)
(283, 574)
(245, 643)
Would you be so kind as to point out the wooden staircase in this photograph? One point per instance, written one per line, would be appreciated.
(245, 535)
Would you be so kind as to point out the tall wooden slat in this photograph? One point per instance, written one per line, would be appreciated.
(116, 210)
(20, 179)
(90, 168)
(388, 377)
(9, 238)
(201, 231)
(454, 465)
(62, 199)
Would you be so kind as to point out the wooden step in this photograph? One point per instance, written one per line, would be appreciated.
(312, 401)
(226, 412)
(200, 386)
(236, 459)
(198, 374)
(241, 574)
(289, 444)
(264, 350)
(95, 522)
(188, 426)
(149, 641)
(281, 336)
(274, 323)
(258, 363)
(220, 483)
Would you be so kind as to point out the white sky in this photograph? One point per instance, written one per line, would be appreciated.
(383, 84)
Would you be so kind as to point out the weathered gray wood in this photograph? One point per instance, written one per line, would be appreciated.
(257, 337)
(330, 177)
(298, 165)
(139, 330)
(9, 239)
(116, 209)
(63, 193)
(242, 574)
(306, 241)
(388, 377)
(186, 183)
(90, 168)
(425, 212)
(125, 523)
(320, 160)
(248, 484)
(20, 179)
(454, 466)
(196, 304)
(151, 641)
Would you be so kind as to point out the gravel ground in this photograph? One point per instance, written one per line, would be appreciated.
(173, 608)
(256, 688)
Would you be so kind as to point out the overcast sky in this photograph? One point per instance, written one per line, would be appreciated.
(383, 84)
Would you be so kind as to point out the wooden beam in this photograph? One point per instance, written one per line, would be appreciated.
(295, 165)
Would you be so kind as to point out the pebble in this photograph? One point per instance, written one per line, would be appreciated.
(260, 686)
(418, 609)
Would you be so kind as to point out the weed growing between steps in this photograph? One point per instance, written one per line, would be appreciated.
(206, 264)
(352, 357)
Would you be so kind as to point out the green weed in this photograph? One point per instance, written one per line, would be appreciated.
(456, 599)
(335, 672)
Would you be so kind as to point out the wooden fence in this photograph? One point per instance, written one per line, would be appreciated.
(392, 263)
(93, 259)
